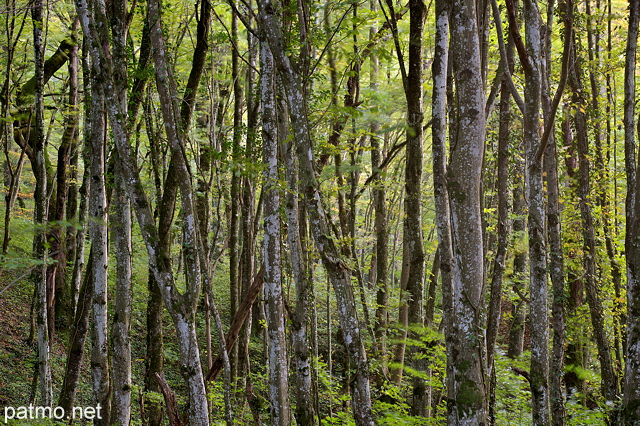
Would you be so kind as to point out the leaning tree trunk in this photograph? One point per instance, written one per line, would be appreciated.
(305, 412)
(338, 272)
(181, 306)
(78, 333)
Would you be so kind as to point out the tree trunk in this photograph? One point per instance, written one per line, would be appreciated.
(609, 378)
(338, 272)
(40, 209)
(181, 306)
(305, 412)
(554, 232)
(381, 227)
(278, 362)
(499, 262)
(519, 305)
(121, 225)
(77, 339)
(631, 398)
(463, 184)
(440, 72)
(538, 309)
(59, 313)
(99, 249)
(234, 195)
(413, 199)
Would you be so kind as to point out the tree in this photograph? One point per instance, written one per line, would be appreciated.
(460, 228)
(331, 259)
(631, 399)
(41, 204)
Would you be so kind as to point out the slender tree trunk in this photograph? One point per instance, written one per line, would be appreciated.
(554, 231)
(56, 272)
(121, 225)
(154, 360)
(278, 368)
(234, 223)
(83, 193)
(631, 398)
(10, 199)
(338, 273)
(609, 378)
(183, 312)
(538, 309)
(611, 228)
(575, 351)
(181, 306)
(305, 412)
(77, 339)
(99, 250)
(502, 187)
(40, 210)
(380, 224)
(413, 197)
(121, 228)
(440, 72)
(71, 208)
(247, 225)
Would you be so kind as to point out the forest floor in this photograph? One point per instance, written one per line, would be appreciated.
(14, 348)
(17, 353)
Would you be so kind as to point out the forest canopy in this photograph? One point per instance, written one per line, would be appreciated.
(317, 213)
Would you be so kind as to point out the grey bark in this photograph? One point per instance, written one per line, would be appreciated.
(520, 257)
(338, 272)
(234, 223)
(463, 184)
(121, 329)
(121, 228)
(278, 362)
(503, 232)
(305, 411)
(99, 250)
(457, 193)
(180, 306)
(40, 209)
(538, 309)
(441, 194)
(554, 230)
(631, 398)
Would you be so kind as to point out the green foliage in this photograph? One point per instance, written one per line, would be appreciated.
(580, 414)
(513, 397)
